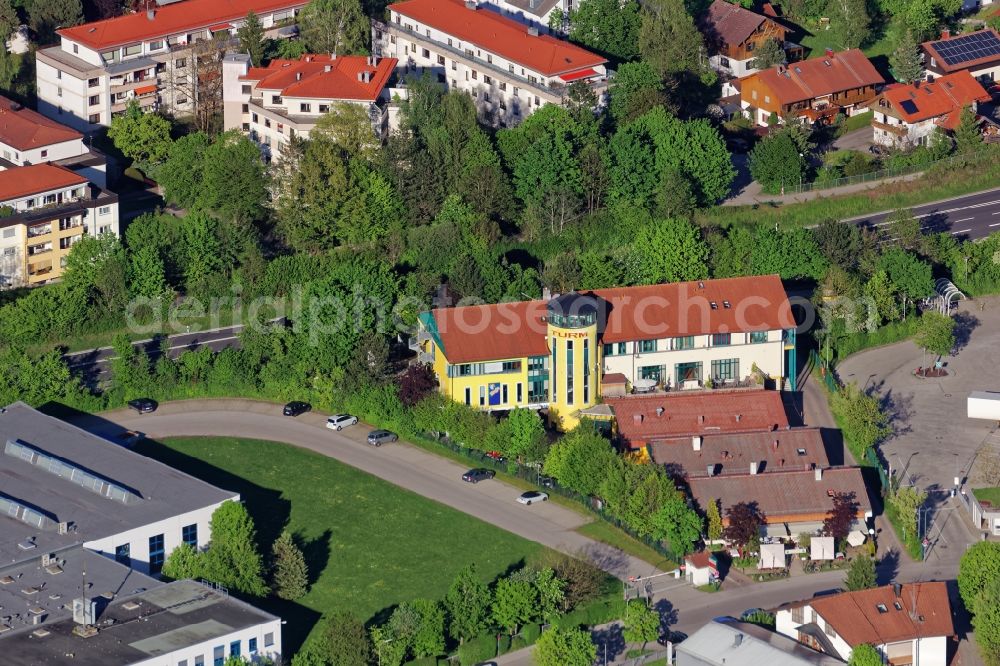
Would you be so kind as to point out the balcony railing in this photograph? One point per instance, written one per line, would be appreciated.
(34, 232)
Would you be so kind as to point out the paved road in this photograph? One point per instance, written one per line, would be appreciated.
(439, 479)
(972, 216)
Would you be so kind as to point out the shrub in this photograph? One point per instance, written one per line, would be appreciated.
(530, 633)
(476, 650)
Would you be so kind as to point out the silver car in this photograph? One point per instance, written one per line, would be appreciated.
(340, 421)
(380, 437)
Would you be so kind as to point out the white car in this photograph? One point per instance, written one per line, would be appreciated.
(532, 496)
(340, 421)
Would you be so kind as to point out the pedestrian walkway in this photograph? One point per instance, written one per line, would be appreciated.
(752, 193)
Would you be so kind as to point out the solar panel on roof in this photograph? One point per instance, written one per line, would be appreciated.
(966, 48)
(908, 106)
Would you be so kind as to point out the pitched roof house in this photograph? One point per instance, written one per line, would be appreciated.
(908, 623)
(733, 35)
(815, 89)
(976, 52)
(909, 114)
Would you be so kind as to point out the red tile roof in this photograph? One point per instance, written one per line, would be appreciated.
(169, 19)
(516, 330)
(925, 611)
(732, 453)
(308, 77)
(698, 413)
(940, 98)
(614, 379)
(784, 496)
(700, 560)
(25, 129)
(35, 179)
(820, 76)
(726, 24)
(500, 35)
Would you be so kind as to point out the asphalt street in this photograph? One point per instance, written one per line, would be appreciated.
(971, 217)
(439, 479)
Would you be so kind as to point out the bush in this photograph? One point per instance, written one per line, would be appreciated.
(517, 643)
(481, 648)
(886, 335)
(598, 612)
(530, 633)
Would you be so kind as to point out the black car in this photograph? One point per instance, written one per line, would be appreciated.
(143, 405)
(296, 407)
(546, 482)
(478, 474)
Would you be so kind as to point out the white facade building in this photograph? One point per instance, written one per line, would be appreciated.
(909, 624)
(509, 69)
(287, 98)
(99, 68)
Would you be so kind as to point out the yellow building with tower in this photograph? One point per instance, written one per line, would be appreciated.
(552, 354)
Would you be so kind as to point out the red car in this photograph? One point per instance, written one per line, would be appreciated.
(495, 455)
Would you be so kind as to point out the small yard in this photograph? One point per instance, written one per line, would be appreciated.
(991, 495)
(369, 544)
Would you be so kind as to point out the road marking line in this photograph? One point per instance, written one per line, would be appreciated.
(997, 224)
(964, 219)
(961, 231)
(995, 213)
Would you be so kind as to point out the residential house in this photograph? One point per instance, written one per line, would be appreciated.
(552, 353)
(734, 33)
(701, 568)
(48, 208)
(288, 97)
(27, 137)
(792, 501)
(976, 52)
(814, 90)
(150, 57)
(726, 642)
(509, 69)
(910, 624)
(538, 14)
(907, 115)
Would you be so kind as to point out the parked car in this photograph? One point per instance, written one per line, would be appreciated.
(478, 474)
(750, 612)
(496, 455)
(380, 437)
(296, 407)
(674, 637)
(340, 421)
(143, 405)
(546, 482)
(532, 496)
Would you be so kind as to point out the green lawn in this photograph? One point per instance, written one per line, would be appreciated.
(604, 532)
(991, 495)
(369, 544)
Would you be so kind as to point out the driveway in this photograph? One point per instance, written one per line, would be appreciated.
(858, 139)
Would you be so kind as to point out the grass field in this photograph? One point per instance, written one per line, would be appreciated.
(991, 495)
(369, 544)
(611, 535)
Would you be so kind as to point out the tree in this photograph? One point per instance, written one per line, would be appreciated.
(146, 273)
(906, 60)
(130, 368)
(669, 251)
(521, 435)
(668, 38)
(428, 640)
(907, 500)
(608, 26)
(850, 21)
(861, 575)
(936, 333)
(514, 603)
(978, 569)
(878, 293)
(182, 174)
(714, 520)
(251, 38)
(580, 460)
(233, 182)
(865, 423)
(986, 622)
(183, 562)
(776, 163)
(565, 647)
(642, 623)
(46, 16)
(9, 20)
(289, 577)
(338, 27)
(968, 136)
(864, 655)
(232, 558)
(909, 275)
(350, 127)
(468, 605)
(904, 227)
(745, 520)
(345, 641)
(679, 524)
(635, 89)
(842, 516)
(143, 137)
(551, 591)
(96, 269)
(416, 383)
(840, 243)
(10, 67)
(769, 54)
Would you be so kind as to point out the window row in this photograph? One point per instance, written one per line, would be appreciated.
(235, 650)
(682, 343)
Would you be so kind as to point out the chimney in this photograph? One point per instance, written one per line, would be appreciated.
(710, 469)
(737, 640)
(738, 417)
(327, 68)
(532, 31)
(696, 442)
(829, 53)
(659, 411)
(753, 467)
(897, 589)
(946, 34)
(150, 14)
(818, 473)
(298, 76)
(701, 418)
(309, 58)
(546, 294)
(371, 60)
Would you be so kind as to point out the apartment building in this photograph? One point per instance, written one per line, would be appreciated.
(99, 67)
(907, 115)
(273, 104)
(509, 69)
(910, 624)
(815, 90)
(47, 209)
(554, 353)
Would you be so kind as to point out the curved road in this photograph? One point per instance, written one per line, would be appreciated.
(439, 479)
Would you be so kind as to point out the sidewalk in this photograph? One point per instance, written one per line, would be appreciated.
(751, 194)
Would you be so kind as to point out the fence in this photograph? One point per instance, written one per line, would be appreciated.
(892, 172)
(826, 374)
(533, 474)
